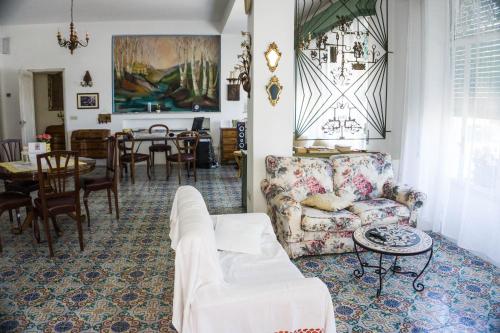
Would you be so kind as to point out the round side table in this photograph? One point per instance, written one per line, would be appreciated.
(392, 240)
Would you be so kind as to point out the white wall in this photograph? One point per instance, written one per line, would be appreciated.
(270, 127)
(398, 30)
(35, 47)
(43, 117)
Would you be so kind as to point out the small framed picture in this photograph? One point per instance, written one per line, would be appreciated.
(87, 101)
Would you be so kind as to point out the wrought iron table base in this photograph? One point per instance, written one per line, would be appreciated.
(394, 268)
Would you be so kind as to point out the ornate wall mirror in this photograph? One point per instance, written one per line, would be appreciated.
(274, 89)
(273, 56)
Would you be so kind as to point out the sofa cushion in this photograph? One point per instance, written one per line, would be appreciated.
(381, 211)
(363, 175)
(328, 201)
(320, 220)
(238, 236)
(300, 177)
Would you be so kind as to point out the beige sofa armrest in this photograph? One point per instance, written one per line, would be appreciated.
(285, 211)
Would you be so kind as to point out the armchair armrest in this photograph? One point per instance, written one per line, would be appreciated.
(285, 211)
(405, 195)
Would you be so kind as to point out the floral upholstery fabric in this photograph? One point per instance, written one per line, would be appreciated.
(300, 177)
(407, 196)
(331, 242)
(285, 212)
(363, 175)
(305, 231)
(381, 211)
(320, 220)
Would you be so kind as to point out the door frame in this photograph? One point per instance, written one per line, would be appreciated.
(65, 102)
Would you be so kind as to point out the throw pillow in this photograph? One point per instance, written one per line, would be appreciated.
(328, 201)
(238, 236)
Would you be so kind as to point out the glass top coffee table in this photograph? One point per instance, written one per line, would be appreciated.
(392, 240)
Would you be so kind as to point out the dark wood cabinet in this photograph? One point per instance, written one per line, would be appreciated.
(58, 141)
(228, 144)
(90, 142)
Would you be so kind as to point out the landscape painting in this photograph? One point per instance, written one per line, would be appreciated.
(166, 73)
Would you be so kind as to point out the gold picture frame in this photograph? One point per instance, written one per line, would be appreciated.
(274, 89)
(273, 56)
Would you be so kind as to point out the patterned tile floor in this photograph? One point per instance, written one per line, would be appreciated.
(123, 280)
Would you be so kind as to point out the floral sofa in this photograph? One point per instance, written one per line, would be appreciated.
(308, 231)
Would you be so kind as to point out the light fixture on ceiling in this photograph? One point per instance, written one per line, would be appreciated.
(73, 41)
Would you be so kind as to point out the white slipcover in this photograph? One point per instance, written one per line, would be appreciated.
(234, 292)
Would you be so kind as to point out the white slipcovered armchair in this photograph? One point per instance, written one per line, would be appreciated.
(220, 291)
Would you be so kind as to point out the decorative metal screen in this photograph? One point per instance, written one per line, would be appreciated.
(341, 74)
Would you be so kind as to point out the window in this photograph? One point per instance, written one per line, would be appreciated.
(476, 92)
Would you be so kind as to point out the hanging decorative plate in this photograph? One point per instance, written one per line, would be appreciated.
(274, 89)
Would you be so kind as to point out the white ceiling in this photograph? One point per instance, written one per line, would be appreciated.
(56, 11)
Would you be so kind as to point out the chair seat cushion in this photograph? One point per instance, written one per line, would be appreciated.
(57, 204)
(22, 186)
(183, 157)
(12, 200)
(381, 211)
(95, 184)
(321, 220)
(137, 157)
(160, 147)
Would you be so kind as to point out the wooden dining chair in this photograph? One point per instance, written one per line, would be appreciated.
(109, 182)
(186, 144)
(56, 196)
(128, 155)
(10, 151)
(159, 147)
(10, 201)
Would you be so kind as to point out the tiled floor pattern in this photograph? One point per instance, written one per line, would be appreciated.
(123, 281)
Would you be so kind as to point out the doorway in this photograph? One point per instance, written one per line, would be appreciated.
(42, 106)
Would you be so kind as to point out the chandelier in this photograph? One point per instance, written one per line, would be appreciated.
(72, 43)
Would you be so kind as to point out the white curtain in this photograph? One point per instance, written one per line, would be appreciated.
(451, 145)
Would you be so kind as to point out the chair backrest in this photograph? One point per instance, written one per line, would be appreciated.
(187, 142)
(112, 159)
(162, 127)
(300, 176)
(10, 150)
(126, 143)
(363, 175)
(54, 169)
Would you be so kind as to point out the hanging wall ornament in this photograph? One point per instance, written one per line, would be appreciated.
(341, 60)
(273, 56)
(274, 89)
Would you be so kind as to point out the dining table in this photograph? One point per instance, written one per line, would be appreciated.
(22, 171)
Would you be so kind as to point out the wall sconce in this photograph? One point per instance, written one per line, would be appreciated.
(104, 118)
(87, 80)
(273, 56)
(245, 62)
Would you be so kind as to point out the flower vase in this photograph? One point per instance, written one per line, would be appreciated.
(47, 147)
